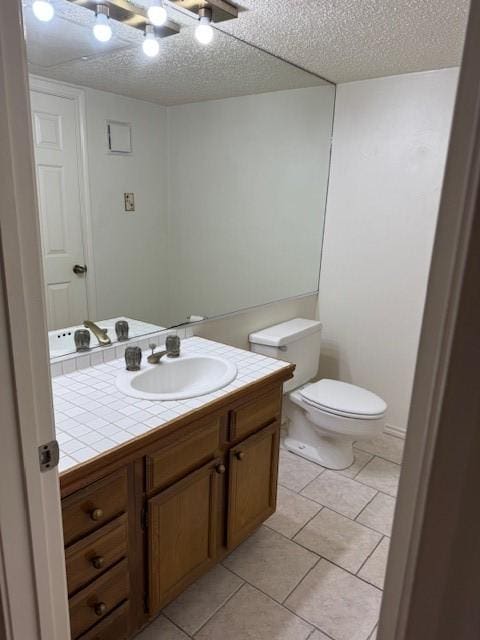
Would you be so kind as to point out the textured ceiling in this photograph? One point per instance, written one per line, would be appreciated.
(340, 40)
(185, 71)
(344, 40)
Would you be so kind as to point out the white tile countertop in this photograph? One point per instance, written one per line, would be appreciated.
(92, 416)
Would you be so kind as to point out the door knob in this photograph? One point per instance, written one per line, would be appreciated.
(78, 269)
(240, 455)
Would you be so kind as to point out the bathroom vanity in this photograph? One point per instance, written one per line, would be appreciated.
(145, 519)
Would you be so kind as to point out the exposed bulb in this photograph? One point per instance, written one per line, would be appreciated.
(204, 31)
(43, 10)
(150, 45)
(102, 30)
(157, 14)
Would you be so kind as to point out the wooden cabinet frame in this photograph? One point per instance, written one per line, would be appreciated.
(189, 501)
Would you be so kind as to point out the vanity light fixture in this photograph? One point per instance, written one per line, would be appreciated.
(157, 13)
(101, 29)
(43, 10)
(204, 31)
(151, 46)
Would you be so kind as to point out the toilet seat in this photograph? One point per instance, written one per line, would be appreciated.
(343, 399)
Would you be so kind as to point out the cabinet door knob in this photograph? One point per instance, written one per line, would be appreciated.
(100, 608)
(96, 514)
(240, 455)
(98, 562)
(221, 469)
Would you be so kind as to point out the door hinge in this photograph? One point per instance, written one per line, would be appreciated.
(48, 455)
(145, 603)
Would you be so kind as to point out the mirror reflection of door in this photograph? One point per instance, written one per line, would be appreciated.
(57, 161)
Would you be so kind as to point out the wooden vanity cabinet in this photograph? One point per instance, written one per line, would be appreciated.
(181, 533)
(252, 483)
(144, 521)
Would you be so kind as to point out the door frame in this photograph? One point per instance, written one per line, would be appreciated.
(77, 95)
(33, 590)
(433, 573)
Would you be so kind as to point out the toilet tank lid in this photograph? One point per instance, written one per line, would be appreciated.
(286, 332)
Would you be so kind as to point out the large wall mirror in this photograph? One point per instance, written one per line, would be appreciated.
(184, 186)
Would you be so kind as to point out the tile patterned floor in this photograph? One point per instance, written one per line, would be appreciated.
(313, 571)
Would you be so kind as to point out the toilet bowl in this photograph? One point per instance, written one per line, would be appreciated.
(324, 418)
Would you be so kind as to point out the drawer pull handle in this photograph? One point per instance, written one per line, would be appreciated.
(100, 608)
(96, 514)
(98, 562)
(240, 455)
(221, 469)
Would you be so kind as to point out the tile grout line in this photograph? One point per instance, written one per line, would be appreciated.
(320, 557)
(244, 582)
(324, 506)
(368, 558)
(191, 635)
(280, 604)
(363, 508)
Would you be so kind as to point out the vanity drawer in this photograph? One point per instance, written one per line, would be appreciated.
(96, 553)
(176, 460)
(113, 627)
(96, 601)
(92, 507)
(254, 415)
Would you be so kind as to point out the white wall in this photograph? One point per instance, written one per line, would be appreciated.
(247, 191)
(130, 249)
(390, 142)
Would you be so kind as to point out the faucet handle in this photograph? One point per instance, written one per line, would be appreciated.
(152, 346)
(172, 345)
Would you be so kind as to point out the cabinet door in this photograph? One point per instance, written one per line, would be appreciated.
(182, 522)
(253, 470)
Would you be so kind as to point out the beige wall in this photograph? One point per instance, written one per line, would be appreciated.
(130, 249)
(236, 328)
(247, 190)
(389, 148)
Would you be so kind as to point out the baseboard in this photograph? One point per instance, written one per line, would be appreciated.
(391, 430)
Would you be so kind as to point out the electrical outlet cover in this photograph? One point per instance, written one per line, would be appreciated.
(129, 202)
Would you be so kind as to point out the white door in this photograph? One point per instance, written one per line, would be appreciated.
(57, 161)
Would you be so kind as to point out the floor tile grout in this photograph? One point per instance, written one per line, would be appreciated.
(244, 582)
(191, 635)
(363, 508)
(368, 558)
(319, 556)
(279, 604)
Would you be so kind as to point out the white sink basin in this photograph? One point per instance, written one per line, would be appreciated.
(177, 378)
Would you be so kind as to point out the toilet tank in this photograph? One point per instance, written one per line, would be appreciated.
(296, 341)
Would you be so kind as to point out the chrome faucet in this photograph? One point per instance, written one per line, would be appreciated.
(172, 350)
(100, 334)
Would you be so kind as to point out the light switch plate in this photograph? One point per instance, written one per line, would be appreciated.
(129, 199)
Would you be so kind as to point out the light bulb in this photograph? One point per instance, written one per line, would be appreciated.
(204, 32)
(43, 10)
(150, 45)
(157, 13)
(102, 30)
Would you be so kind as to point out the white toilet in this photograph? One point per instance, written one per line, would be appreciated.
(325, 418)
